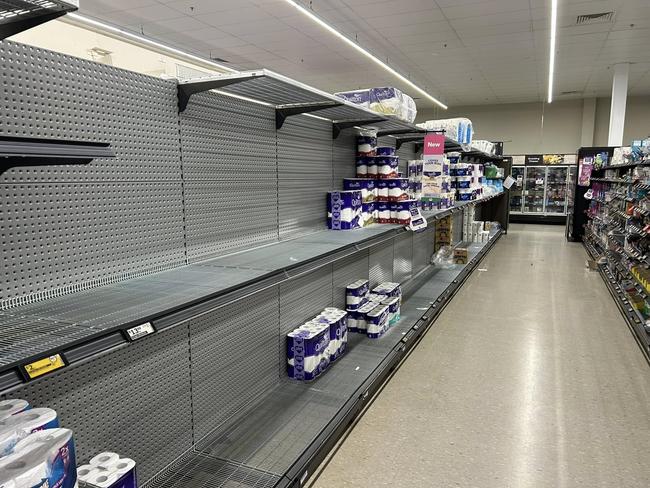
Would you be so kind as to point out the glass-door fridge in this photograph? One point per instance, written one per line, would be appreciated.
(517, 190)
(534, 189)
(555, 200)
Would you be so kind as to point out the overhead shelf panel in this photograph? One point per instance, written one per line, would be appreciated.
(19, 15)
(290, 97)
(27, 151)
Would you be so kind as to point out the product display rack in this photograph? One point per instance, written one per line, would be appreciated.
(42, 329)
(19, 15)
(293, 428)
(615, 235)
(212, 243)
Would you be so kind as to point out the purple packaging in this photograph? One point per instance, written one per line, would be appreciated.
(385, 151)
(377, 322)
(383, 212)
(358, 97)
(363, 163)
(355, 294)
(306, 350)
(398, 189)
(364, 185)
(387, 166)
(354, 316)
(463, 182)
(400, 212)
(366, 146)
(368, 213)
(343, 209)
(383, 193)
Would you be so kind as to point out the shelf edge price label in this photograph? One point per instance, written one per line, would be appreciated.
(44, 366)
(140, 331)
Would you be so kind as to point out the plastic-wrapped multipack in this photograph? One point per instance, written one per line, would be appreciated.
(459, 129)
(485, 146)
(386, 100)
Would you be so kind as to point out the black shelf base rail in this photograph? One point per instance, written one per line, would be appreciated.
(620, 298)
(19, 15)
(315, 454)
(28, 151)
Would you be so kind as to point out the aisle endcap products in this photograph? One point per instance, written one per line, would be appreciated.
(459, 129)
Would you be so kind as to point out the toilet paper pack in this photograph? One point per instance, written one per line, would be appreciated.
(377, 321)
(344, 210)
(307, 351)
(42, 459)
(356, 294)
(116, 473)
(364, 185)
(12, 407)
(394, 309)
(20, 425)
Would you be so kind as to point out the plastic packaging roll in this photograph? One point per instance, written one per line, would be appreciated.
(124, 465)
(85, 472)
(103, 479)
(20, 425)
(43, 458)
(105, 459)
(12, 407)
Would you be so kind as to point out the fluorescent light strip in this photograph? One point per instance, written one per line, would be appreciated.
(551, 66)
(356, 46)
(121, 33)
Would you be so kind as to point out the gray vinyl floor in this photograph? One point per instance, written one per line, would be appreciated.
(530, 378)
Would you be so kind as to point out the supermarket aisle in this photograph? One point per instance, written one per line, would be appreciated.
(530, 378)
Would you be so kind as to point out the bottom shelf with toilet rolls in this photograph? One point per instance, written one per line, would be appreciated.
(35, 452)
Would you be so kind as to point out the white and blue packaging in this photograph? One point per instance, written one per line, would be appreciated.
(364, 185)
(377, 321)
(42, 459)
(18, 426)
(12, 407)
(307, 351)
(356, 294)
(394, 309)
(344, 210)
(109, 470)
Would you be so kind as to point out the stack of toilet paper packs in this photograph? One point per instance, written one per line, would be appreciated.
(313, 346)
(108, 470)
(372, 312)
(34, 451)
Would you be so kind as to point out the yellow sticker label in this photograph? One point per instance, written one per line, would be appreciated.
(43, 366)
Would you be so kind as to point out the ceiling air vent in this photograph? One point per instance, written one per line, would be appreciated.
(573, 92)
(602, 18)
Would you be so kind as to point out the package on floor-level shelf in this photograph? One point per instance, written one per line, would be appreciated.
(108, 470)
(443, 233)
(313, 346)
(35, 451)
(379, 309)
(461, 254)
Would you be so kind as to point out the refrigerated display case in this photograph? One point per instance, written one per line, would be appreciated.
(534, 189)
(541, 193)
(516, 190)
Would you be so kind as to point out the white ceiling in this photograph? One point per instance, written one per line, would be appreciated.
(462, 51)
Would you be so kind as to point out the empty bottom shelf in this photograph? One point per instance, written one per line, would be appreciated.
(260, 446)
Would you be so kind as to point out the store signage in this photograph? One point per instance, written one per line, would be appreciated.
(433, 153)
(553, 159)
(140, 331)
(534, 159)
(44, 366)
